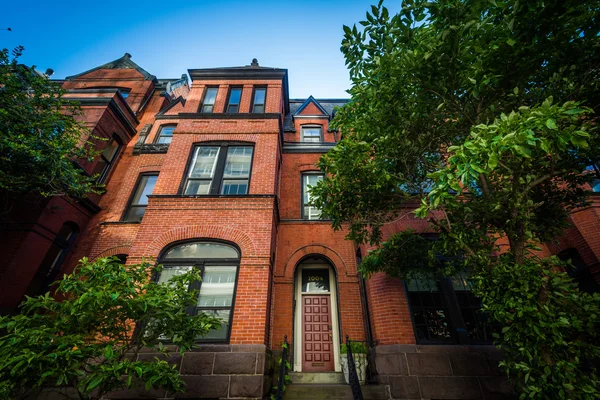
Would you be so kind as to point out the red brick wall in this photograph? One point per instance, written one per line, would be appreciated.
(297, 240)
(273, 101)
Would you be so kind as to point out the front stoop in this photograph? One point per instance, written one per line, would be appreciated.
(327, 385)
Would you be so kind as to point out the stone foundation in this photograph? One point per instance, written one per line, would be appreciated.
(210, 372)
(442, 372)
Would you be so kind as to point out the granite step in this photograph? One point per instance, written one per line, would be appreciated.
(316, 377)
(331, 391)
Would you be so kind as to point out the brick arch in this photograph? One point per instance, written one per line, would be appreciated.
(113, 251)
(337, 262)
(236, 236)
(308, 168)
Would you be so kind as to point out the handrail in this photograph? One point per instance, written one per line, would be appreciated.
(282, 368)
(352, 375)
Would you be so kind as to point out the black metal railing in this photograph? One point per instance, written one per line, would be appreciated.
(352, 375)
(282, 370)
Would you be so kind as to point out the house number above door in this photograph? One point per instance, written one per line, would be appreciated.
(315, 281)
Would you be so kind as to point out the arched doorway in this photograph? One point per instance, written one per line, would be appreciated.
(316, 321)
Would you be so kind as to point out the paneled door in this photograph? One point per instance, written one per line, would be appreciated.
(317, 345)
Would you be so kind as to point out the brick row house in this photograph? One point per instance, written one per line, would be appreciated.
(214, 173)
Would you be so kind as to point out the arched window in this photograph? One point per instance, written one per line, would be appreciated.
(219, 265)
(52, 262)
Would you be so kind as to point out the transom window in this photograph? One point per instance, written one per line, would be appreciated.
(165, 134)
(218, 264)
(312, 134)
(235, 95)
(308, 210)
(208, 104)
(222, 168)
(259, 99)
(138, 203)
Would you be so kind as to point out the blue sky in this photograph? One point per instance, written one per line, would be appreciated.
(166, 38)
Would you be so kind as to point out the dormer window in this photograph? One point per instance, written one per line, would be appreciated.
(124, 93)
(210, 96)
(312, 134)
(235, 95)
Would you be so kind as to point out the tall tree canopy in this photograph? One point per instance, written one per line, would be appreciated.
(39, 137)
(486, 112)
(423, 78)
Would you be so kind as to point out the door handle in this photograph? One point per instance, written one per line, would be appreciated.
(330, 327)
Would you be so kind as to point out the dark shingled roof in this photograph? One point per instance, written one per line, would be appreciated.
(120, 63)
(327, 104)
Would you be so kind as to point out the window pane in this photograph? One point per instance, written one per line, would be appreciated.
(237, 186)
(238, 162)
(145, 187)
(110, 150)
(209, 100)
(204, 162)
(221, 333)
(135, 213)
(310, 212)
(461, 283)
(169, 272)
(310, 180)
(197, 187)
(259, 100)
(202, 250)
(234, 100)
(259, 96)
(311, 134)
(217, 287)
(165, 134)
(211, 95)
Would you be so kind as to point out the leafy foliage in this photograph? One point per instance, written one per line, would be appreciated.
(550, 329)
(486, 112)
(84, 337)
(356, 347)
(39, 136)
(423, 78)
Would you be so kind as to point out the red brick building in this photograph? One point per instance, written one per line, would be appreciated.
(213, 173)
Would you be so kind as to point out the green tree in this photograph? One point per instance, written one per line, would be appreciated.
(83, 336)
(483, 112)
(39, 136)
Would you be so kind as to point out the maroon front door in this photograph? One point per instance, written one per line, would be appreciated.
(317, 344)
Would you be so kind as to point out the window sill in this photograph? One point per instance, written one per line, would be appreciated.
(211, 196)
(314, 221)
(120, 223)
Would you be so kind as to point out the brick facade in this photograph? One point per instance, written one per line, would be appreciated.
(266, 224)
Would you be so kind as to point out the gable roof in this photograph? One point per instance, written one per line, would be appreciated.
(173, 103)
(307, 102)
(120, 63)
(328, 105)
